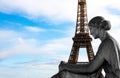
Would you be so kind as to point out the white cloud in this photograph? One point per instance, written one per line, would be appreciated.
(25, 72)
(53, 9)
(49, 50)
(34, 29)
(62, 10)
(58, 11)
(7, 34)
(34, 67)
(100, 8)
(21, 45)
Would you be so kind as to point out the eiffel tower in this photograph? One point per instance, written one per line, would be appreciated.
(82, 38)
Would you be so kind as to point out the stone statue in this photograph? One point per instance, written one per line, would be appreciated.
(107, 56)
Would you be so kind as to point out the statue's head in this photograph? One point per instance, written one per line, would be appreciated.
(97, 25)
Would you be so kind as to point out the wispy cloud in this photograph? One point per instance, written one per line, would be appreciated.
(28, 71)
(34, 29)
(59, 10)
(54, 9)
(21, 45)
(32, 47)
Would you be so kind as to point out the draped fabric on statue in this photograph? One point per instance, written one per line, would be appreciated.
(116, 59)
(66, 74)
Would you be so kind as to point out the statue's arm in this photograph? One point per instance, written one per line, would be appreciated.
(85, 68)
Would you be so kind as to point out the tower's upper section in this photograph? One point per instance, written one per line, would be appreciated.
(81, 23)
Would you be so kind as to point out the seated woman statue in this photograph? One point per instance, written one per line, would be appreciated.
(107, 56)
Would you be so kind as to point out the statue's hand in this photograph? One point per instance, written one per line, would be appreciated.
(62, 66)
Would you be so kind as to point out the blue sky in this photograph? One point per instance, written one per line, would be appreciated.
(35, 35)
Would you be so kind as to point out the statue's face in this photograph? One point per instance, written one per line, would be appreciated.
(94, 31)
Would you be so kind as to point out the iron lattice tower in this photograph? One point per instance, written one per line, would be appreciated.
(82, 38)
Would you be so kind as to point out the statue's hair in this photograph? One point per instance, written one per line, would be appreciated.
(100, 22)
